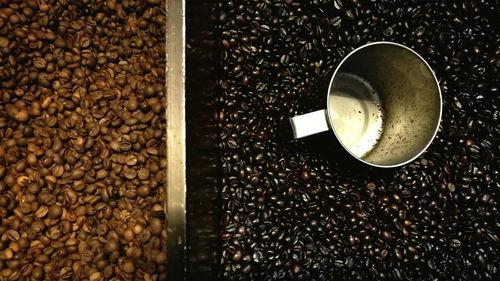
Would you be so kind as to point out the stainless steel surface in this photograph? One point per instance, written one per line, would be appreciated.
(176, 139)
(356, 112)
(410, 96)
(310, 123)
(193, 206)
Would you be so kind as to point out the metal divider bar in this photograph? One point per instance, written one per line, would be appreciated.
(176, 141)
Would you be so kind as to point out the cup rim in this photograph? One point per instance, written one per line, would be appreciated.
(436, 83)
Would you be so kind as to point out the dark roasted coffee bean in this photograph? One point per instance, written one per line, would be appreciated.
(307, 214)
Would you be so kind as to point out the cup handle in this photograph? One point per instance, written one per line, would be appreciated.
(309, 124)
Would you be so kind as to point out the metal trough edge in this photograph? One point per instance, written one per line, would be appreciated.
(176, 140)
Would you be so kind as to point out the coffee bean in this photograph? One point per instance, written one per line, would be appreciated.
(82, 141)
(110, 246)
(237, 256)
(127, 267)
(455, 243)
(128, 235)
(143, 174)
(386, 235)
(22, 116)
(55, 211)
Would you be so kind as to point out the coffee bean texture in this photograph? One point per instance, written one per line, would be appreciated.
(82, 140)
(294, 211)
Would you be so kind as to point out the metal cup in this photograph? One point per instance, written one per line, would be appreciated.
(383, 104)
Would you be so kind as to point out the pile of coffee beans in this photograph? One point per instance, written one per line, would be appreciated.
(292, 211)
(82, 145)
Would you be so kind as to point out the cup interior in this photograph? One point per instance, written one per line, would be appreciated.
(384, 104)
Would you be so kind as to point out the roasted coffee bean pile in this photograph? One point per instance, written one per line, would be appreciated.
(82, 146)
(291, 211)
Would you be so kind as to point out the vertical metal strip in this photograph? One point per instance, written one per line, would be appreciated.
(176, 141)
